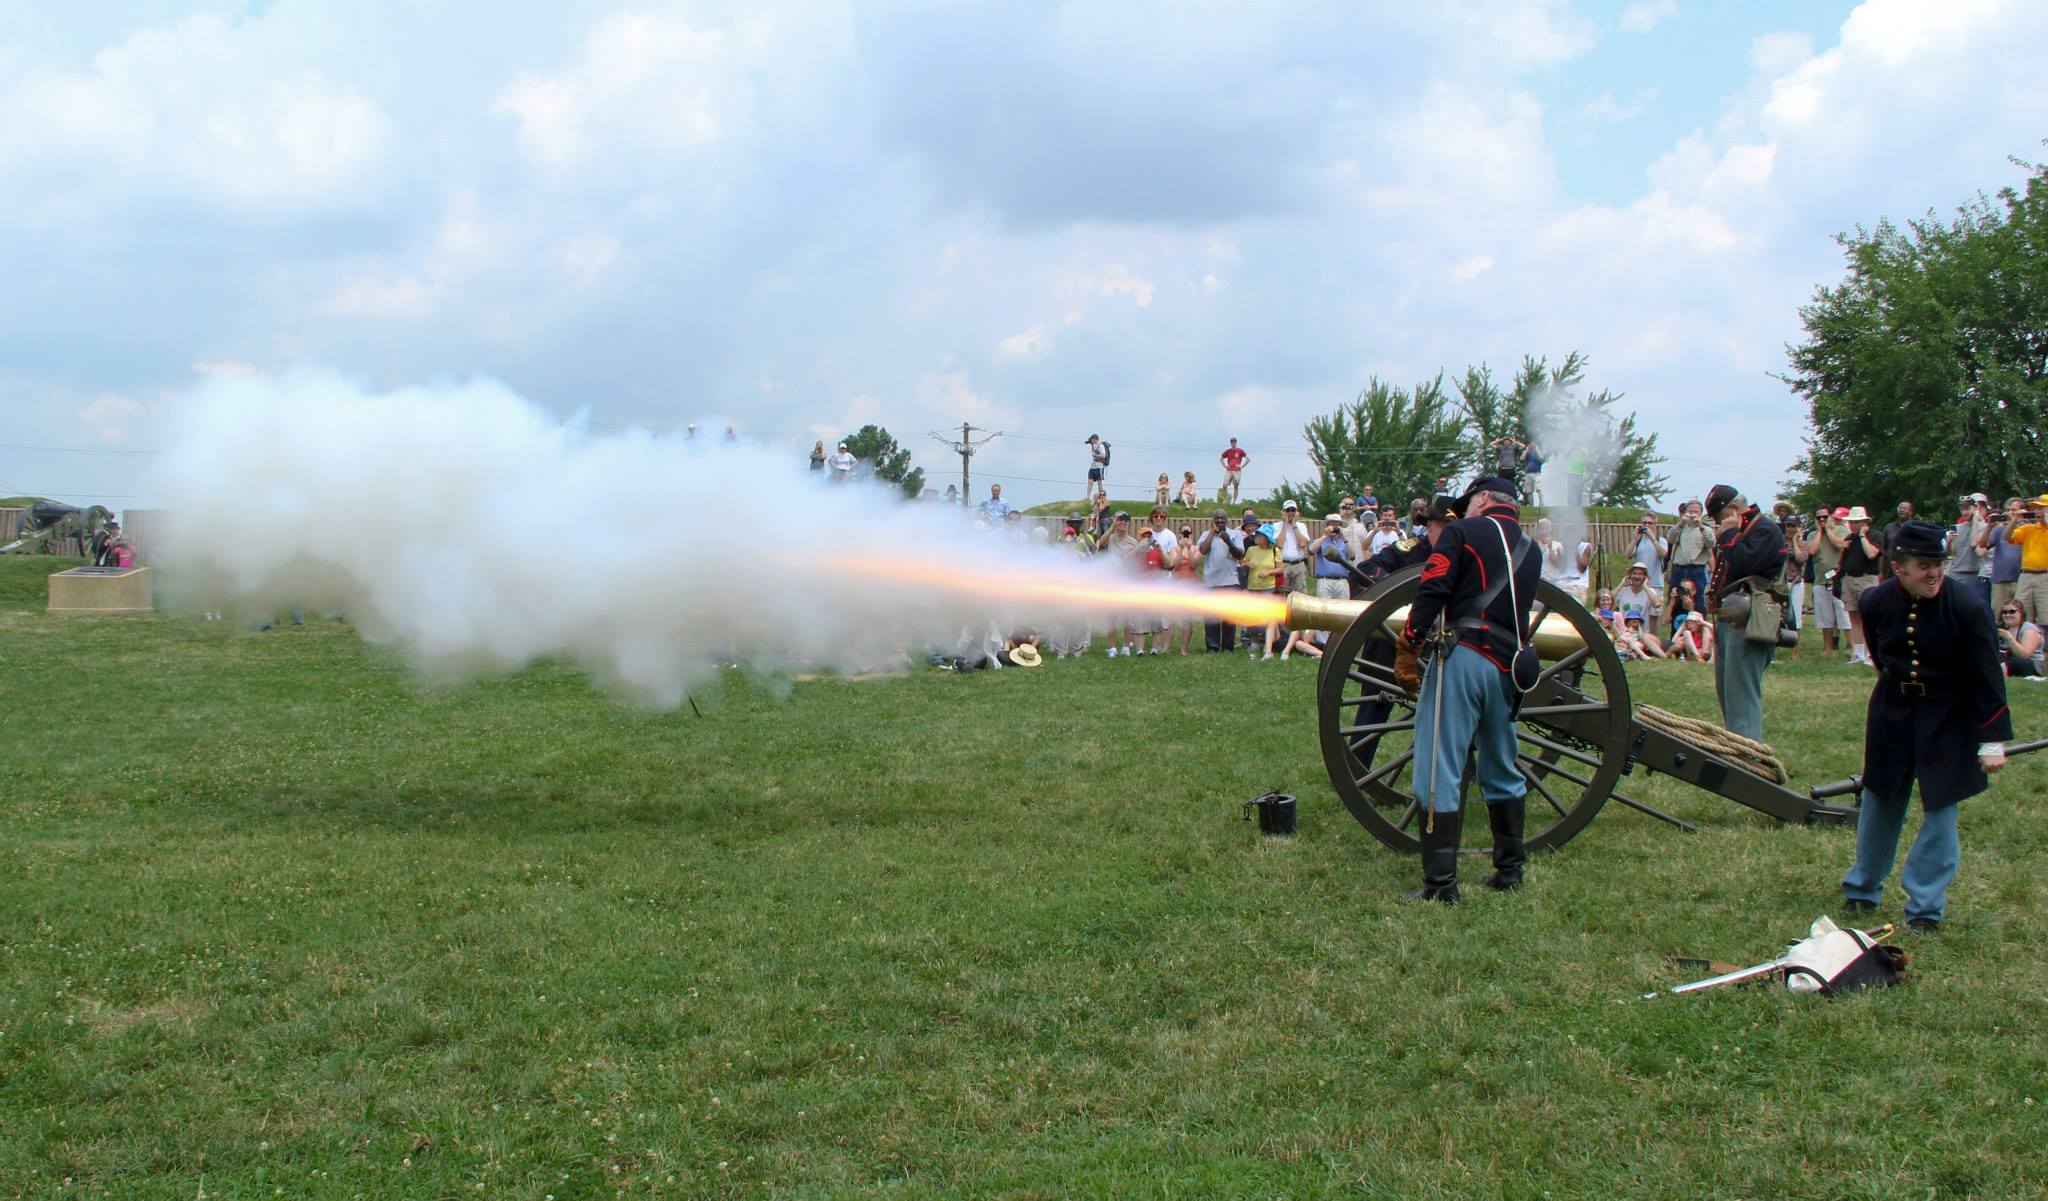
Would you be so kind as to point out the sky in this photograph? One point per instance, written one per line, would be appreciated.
(1166, 223)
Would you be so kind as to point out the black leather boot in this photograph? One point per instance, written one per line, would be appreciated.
(1440, 858)
(1508, 852)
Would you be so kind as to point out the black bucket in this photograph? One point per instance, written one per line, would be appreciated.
(1276, 812)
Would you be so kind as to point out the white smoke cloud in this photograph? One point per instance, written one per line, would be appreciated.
(473, 531)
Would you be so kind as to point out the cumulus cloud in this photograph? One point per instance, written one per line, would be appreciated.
(1645, 15)
(211, 112)
(1052, 219)
(652, 78)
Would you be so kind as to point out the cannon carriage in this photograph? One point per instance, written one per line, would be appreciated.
(1579, 735)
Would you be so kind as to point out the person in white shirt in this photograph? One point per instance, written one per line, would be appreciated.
(1385, 534)
(1291, 539)
(1220, 547)
(842, 465)
(1547, 545)
(1578, 569)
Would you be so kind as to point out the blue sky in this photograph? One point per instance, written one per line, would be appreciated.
(1166, 223)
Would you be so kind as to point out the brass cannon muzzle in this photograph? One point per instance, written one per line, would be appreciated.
(1555, 638)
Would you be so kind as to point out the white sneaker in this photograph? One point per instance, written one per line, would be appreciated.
(1266, 656)
(1285, 653)
(1155, 650)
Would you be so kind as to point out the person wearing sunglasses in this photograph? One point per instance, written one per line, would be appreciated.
(2021, 641)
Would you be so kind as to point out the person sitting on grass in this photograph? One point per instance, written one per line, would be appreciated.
(2020, 642)
(1693, 636)
(1638, 641)
(1190, 496)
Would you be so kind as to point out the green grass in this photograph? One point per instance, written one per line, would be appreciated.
(279, 920)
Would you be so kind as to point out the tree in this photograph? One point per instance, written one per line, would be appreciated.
(1398, 440)
(875, 446)
(1925, 371)
(1577, 435)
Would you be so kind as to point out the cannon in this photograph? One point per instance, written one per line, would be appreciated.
(1579, 734)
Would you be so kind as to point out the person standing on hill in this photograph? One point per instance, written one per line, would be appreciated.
(1233, 459)
(1098, 467)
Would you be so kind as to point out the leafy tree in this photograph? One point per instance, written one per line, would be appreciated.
(875, 446)
(1925, 371)
(1399, 440)
(1575, 433)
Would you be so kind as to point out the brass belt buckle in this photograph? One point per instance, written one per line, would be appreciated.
(1912, 688)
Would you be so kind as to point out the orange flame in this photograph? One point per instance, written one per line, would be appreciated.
(1237, 607)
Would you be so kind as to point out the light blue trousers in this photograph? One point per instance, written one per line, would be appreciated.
(1475, 718)
(1739, 679)
(1930, 865)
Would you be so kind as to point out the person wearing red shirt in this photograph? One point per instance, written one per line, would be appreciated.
(1233, 458)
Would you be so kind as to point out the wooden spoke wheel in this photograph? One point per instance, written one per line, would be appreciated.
(1571, 738)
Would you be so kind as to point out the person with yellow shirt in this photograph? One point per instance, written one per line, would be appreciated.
(1262, 574)
(2031, 536)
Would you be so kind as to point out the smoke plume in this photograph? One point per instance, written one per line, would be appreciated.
(476, 533)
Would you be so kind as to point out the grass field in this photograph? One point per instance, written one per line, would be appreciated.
(276, 920)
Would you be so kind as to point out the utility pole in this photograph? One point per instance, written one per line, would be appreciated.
(965, 448)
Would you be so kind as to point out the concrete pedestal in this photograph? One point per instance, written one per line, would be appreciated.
(100, 590)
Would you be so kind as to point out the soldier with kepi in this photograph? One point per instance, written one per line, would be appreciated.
(1936, 716)
(1472, 605)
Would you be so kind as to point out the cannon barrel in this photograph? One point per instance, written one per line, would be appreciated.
(1555, 634)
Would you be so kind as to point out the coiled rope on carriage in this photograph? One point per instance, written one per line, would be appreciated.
(1746, 753)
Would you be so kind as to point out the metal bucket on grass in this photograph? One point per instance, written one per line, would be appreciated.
(1276, 812)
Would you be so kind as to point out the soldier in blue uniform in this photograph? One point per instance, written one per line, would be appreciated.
(1480, 578)
(1937, 715)
(1749, 556)
(1408, 552)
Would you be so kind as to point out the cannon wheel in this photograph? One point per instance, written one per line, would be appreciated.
(1372, 762)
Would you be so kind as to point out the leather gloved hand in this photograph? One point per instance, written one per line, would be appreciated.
(1408, 664)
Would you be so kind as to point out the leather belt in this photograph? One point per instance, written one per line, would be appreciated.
(1916, 689)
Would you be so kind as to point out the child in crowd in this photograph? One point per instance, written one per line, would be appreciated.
(1189, 496)
(1692, 636)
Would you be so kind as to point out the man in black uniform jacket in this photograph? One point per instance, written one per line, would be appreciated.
(1408, 552)
(1466, 704)
(1749, 556)
(1937, 715)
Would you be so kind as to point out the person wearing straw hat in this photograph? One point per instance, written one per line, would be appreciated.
(1480, 578)
(1749, 558)
(1859, 575)
(1937, 717)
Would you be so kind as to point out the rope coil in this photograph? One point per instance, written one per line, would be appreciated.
(1750, 755)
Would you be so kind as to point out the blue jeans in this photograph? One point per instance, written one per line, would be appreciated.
(1930, 865)
(1698, 575)
(1475, 707)
(1739, 679)
(1219, 635)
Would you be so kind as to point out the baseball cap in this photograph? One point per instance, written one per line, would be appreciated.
(1841, 513)
(1289, 505)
